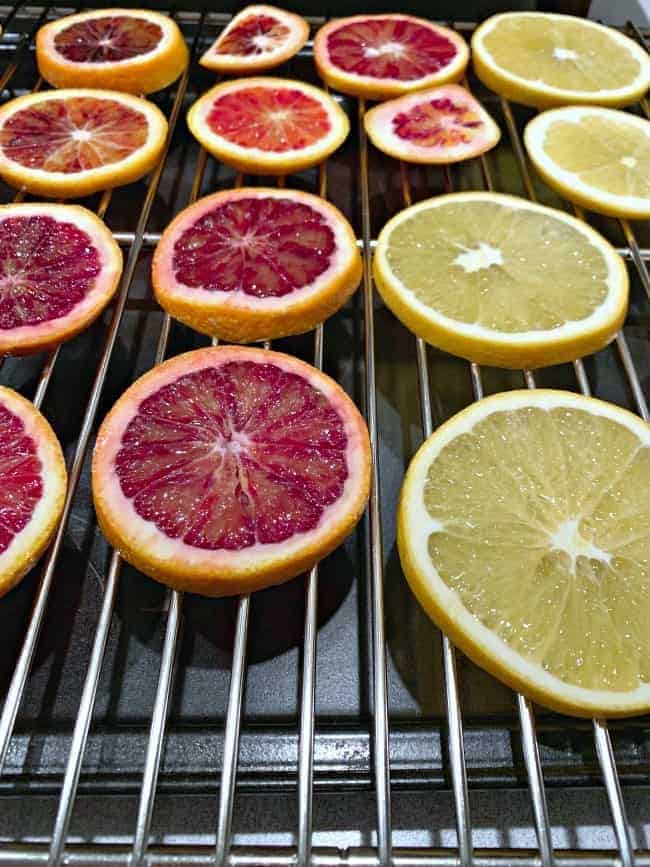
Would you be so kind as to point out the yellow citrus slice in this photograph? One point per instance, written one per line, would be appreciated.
(268, 125)
(34, 481)
(229, 469)
(596, 157)
(258, 38)
(523, 530)
(256, 264)
(500, 280)
(71, 143)
(132, 50)
(545, 60)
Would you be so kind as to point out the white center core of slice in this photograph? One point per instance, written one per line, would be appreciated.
(82, 135)
(628, 162)
(237, 442)
(565, 54)
(386, 48)
(263, 42)
(481, 257)
(567, 538)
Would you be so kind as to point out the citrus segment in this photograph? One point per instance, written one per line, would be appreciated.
(256, 264)
(523, 531)
(33, 486)
(499, 280)
(131, 50)
(596, 157)
(441, 125)
(258, 38)
(72, 143)
(59, 268)
(273, 125)
(229, 469)
(381, 56)
(545, 60)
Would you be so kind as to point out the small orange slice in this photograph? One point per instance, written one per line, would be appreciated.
(32, 492)
(256, 264)
(268, 125)
(71, 143)
(229, 469)
(258, 38)
(132, 50)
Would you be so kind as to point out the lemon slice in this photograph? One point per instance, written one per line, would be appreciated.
(524, 532)
(596, 157)
(500, 280)
(546, 60)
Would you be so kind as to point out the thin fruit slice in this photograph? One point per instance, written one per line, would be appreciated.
(256, 264)
(59, 268)
(499, 280)
(545, 60)
(132, 50)
(441, 125)
(382, 56)
(258, 38)
(34, 481)
(596, 157)
(71, 143)
(229, 469)
(523, 532)
(268, 125)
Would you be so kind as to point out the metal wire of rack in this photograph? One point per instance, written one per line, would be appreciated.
(57, 849)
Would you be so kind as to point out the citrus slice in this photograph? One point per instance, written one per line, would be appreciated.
(500, 280)
(229, 469)
(33, 486)
(545, 60)
(258, 38)
(382, 56)
(442, 125)
(71, 143)
(256, 264)
(59, 268)
(523, 532)
(596, 157)
(268, 125)
(132, 50)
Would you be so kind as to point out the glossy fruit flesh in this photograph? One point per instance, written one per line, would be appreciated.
(47, 267)
(261, 247)
(256, 35)
(232, 456)
(389, 48)
(108, 40)
(271, 119)
(437, 123)
(20, 470)
(73, 135)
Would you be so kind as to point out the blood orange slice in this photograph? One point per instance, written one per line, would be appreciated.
(268, 125)
(441, 125)
(132, 50)
(59, 268)
(256, 264)
(33, 486)
(71, 143)
(229, 469)
(382, 56)
(259, 37)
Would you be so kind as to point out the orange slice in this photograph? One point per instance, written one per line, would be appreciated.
(229, 469)
(59, 268)
(132, 50)
(382, 56)
(268, 125)
(32, 493)
(256, 264)
(258, 38)
(71, 143)
(442, 125)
